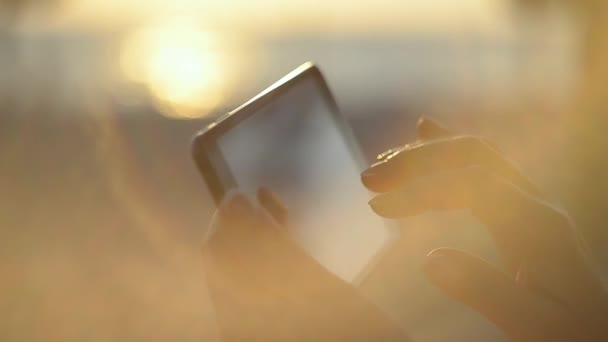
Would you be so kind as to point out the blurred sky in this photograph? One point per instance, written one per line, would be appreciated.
(186, 52)
(273, 15)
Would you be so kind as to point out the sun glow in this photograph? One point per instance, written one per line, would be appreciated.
(179, 64)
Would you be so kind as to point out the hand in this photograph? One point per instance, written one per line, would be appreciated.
(547, 291)
(265, 288)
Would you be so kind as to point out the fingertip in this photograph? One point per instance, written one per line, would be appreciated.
(380, 177)
(262, 193)
(441, 266)
(378, 205)
(468, 279)
(463, 275)
(235, 204)
(389, 205)
(234, 209)
(427, 129)
(388, 172)
(369, 178)
(421, 121)
(273, 204)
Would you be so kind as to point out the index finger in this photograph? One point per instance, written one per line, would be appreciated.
(425, 158)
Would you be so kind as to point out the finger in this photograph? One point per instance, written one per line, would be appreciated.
(235, 208)
(521, 225)
(426, 129)
(456, 189)
(230, 221)
(273, 205)
(429, 129)
(423, 159)
(524, 229)
(239, 225)
(245, 235)
(485, 289)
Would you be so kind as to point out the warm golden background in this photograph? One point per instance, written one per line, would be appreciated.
(102, 210)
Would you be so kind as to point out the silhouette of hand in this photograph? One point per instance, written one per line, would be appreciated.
(265, 288)
(547, 291)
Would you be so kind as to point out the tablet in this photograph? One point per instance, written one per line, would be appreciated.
(292, 139)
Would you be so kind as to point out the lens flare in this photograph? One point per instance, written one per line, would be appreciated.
(179, 63)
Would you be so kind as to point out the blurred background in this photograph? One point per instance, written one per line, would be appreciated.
(103, 211)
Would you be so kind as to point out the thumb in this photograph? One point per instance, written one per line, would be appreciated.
(484, 288)
(274, 205)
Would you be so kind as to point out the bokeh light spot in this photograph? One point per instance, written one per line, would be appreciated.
(179, 63)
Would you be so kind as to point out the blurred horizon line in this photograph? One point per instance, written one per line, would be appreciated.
(363, 17)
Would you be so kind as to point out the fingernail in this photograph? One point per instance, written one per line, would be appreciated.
(396, 205)
(377, 168)
(382, 205)
(369, 173)
(373, 173)
(429, 128)
(238, 204)
(426, 122)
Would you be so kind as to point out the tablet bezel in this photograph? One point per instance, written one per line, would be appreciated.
(207, 155)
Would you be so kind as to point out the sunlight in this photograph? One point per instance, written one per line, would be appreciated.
(279, 17)
(179, 64)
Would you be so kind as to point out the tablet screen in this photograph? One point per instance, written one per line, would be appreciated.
(295, 146)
